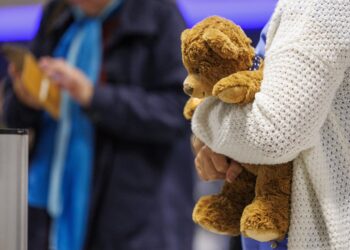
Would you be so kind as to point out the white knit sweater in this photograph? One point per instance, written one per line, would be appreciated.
(302, 113)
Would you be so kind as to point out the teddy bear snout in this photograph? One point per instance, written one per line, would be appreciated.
(188, 89)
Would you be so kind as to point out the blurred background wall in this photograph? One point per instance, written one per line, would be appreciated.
(19, 2)
(19, 19)
(18, 22)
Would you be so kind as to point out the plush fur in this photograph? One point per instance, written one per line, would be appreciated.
(218, 57)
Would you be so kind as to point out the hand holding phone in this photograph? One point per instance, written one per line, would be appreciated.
(31, 86)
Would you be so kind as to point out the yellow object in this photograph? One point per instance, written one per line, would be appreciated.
(40, 87)
(218, 56)
(33, 79)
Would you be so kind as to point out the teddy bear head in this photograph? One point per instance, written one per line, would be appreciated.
(211, 50)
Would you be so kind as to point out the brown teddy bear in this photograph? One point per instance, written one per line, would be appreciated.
(220, 62)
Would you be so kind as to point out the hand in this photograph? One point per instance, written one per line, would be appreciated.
(68, 78)
(213, 166)
(20, 91)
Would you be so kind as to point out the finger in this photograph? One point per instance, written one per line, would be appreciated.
(220, 162)
(56, 69)
(198, 164)
(54, 72)
(196, 144)
(233, 171)
(204, 165)
(57, 64)
(13, 72)
(212, 173)
(11, 69)
(207, 167)
(47, 62)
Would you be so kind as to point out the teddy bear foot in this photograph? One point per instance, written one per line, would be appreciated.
(217, 214)
(262, 236)
(261, 222)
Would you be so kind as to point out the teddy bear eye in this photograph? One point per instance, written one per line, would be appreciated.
(196, 71)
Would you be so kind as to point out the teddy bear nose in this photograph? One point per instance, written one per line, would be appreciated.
(188, 90)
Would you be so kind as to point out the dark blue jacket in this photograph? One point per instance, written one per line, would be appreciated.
(142, 188)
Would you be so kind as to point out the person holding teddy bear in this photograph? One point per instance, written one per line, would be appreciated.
(300, 115)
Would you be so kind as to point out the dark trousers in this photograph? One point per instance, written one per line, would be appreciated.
(38, 229)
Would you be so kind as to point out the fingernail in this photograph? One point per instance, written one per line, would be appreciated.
(230, 176)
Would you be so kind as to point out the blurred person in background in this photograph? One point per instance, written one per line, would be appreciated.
(115, 171)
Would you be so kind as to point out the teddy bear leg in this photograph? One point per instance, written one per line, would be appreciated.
(267, 218)
(221, 213)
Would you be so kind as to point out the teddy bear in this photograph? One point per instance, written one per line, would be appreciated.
(221, 62)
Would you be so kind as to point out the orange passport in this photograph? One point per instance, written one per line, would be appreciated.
(33, 79)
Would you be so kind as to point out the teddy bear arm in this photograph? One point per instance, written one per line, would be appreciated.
(190, 107)
(240, 87)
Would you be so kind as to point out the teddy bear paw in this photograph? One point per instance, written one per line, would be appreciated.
(190, 107)
(233, 94)
(217, 214)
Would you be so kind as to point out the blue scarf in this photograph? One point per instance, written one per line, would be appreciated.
(61, 166)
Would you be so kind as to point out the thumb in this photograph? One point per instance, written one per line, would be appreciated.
(12, 71)
(233, 171)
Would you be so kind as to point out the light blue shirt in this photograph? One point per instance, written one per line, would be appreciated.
(260, 48)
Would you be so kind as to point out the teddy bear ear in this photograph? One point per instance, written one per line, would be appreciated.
(221, 44)
(185, 34)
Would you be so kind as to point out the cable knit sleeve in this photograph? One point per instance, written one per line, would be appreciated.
(305, 64)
